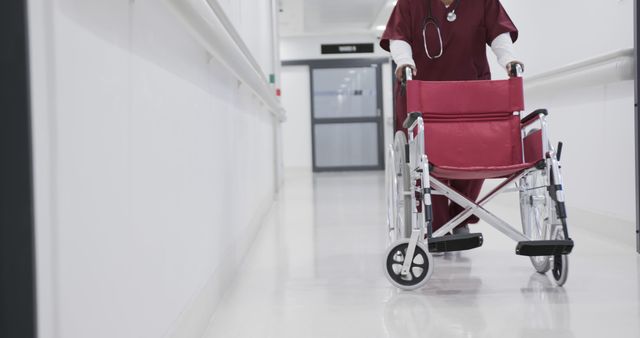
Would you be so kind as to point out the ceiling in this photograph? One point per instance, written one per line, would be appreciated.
(328, 17)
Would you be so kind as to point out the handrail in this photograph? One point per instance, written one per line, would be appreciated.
(606, 68)
(212, 28)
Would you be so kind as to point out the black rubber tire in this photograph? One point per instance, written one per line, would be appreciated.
(420, 272)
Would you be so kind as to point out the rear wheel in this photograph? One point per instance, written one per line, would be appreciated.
(560, 264)
(398, 189)
(391, 186)
(537, 212)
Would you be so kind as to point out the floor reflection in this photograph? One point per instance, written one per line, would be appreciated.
(547, 313)
(448, 307)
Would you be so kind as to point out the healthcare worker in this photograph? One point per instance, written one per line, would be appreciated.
(445, 40)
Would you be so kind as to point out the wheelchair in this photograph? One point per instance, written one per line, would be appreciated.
(463, 130)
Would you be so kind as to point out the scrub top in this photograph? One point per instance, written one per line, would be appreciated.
(464, 40)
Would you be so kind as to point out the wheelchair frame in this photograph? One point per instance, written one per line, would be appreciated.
(557, 243)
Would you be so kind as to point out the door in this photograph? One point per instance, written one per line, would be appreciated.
(346, 115)
(17, 252)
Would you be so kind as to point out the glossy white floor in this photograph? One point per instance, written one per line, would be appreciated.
(315, 270)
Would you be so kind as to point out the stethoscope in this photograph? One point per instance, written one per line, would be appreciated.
(451, 17)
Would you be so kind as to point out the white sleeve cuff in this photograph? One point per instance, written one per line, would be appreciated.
(401, 52)
(502, 47)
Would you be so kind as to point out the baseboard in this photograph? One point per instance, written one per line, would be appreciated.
(195, 318)
(620, 231)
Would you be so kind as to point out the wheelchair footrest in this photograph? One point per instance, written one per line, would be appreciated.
(544, 248)
(455, 242)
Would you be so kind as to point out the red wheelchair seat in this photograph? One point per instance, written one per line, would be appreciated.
(472, 128)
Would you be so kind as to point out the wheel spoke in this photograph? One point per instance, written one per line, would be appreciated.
(398, 258)
(397, 269)
(416, 265)
(419, 274)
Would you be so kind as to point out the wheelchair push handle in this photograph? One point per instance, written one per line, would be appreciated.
(515, 70)
(408, 74)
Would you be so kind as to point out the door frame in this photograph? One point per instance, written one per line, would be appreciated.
(17, 245)
(346, 63)
(637, 124)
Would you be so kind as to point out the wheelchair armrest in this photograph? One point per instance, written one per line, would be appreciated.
(412, 117)
(533, 116)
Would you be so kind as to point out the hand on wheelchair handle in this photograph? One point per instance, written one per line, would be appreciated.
(510, 68)
(400, 71)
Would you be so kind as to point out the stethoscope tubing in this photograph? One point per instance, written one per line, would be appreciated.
(430, 19)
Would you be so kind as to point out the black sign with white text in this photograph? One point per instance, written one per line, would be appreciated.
(349, 48)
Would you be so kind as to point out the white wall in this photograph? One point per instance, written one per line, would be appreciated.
(554, 33)
(296, 100)
(597, 127)
(252, 20)
(145, 150)
(595, 122)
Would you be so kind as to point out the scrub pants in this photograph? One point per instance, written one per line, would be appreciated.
(444, 210)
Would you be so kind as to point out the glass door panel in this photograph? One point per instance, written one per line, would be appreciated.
(346, 117)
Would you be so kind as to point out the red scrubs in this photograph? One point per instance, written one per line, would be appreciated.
(464, 57)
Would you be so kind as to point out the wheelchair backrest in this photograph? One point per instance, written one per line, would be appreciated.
(470, 123)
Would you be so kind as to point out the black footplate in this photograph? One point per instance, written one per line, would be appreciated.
(455, 242)
(544, 248)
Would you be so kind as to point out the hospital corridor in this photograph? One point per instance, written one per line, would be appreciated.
(319, 168)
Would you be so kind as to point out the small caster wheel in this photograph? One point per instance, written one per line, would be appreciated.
(419, 272)
(560, 269)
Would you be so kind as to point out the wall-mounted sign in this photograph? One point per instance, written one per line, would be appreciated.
(347, 48)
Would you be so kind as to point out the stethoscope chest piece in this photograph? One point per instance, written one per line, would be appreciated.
(451, 17)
